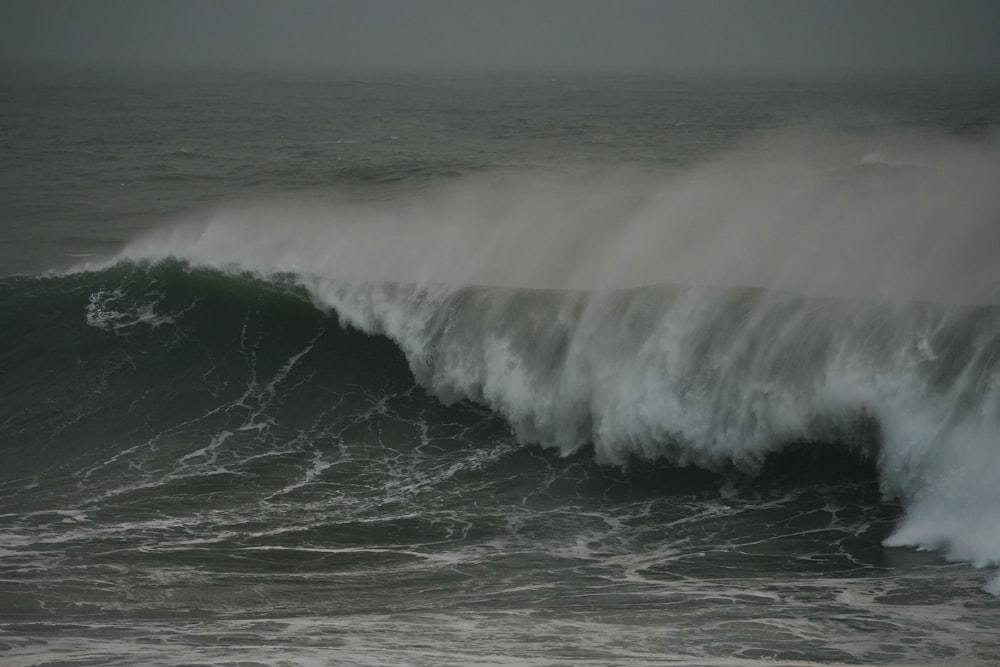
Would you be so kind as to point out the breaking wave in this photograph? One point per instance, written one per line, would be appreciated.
(708, 318)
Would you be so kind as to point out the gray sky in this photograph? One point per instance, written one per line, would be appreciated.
(668, 35)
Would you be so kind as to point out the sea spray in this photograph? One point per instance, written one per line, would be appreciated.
(802, 212)
(795, 290)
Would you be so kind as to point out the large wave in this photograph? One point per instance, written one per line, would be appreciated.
(803, 289)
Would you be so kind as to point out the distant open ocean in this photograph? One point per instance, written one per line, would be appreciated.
(499, 370)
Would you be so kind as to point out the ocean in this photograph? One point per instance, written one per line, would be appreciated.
(499, 370)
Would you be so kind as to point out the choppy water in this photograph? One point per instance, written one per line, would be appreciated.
(498, 371)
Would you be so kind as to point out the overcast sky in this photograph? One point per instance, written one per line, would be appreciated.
(723, 36)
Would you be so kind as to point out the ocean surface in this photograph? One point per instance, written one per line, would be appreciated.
(499, 370)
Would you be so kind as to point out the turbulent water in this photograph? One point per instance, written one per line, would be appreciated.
(499, 370)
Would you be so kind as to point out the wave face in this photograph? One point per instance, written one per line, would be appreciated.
(662, 320)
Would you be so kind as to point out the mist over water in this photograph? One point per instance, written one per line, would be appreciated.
(892, 217)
